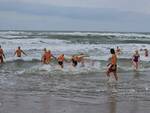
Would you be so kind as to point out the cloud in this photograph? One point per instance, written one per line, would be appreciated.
(112, 15)
(142, 6)
(80, 13)
(18, 21)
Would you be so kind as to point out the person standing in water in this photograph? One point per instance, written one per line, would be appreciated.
(43, 59)
(78, 59)
(60, 60)
(118, 51)
(2, 55)
(46, 58)
(135, 60)
(74, 60)
(19, 52)
(146, 53)
(112, 66)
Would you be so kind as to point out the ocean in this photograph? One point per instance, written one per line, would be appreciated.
(27, 85)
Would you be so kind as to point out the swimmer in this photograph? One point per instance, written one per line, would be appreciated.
(78, 59)
(43, 59)
(146, 53)
(18, 52)
(118, 51)
(135, 59)
(2, 55)
(46, 58)
(60, 60)
(74, 60)
(112, 66)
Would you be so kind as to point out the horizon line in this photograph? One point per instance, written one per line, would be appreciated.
(78, 31)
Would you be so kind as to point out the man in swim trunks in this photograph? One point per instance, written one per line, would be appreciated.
(135, 59)
(60, 60)
(112, 66)
(19, 51)
(2, 55)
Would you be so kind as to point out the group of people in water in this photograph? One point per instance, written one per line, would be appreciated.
(75, 59)
(47, 57)
(18, 53)
(112, 65)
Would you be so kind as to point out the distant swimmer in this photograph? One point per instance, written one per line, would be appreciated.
(60, 60)
(146, 53)
(2, 55)
(118, 51)
(135, 59)
(112, 66)
(46, 58)
(19, 51)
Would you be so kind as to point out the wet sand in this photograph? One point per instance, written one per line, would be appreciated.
(76, 94)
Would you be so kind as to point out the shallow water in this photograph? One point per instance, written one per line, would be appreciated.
(28, 86)
(74, 93)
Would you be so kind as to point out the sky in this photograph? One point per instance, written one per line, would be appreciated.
(75, 15)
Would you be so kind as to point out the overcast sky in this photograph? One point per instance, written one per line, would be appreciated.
(78, 15)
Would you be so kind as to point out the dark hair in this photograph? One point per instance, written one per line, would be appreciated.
(112, 51)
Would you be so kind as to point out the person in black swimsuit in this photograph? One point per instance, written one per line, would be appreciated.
(135, 60)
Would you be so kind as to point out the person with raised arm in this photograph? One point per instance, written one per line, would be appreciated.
(19, 52)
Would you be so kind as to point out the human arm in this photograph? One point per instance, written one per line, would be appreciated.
(23, 52)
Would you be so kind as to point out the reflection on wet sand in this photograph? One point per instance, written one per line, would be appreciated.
(112, 93)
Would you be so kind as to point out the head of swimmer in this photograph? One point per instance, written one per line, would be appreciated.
(19, 47)
(112, 51)
(136, 52)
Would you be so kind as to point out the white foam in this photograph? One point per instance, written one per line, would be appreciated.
(98, 34)
(33, 47)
